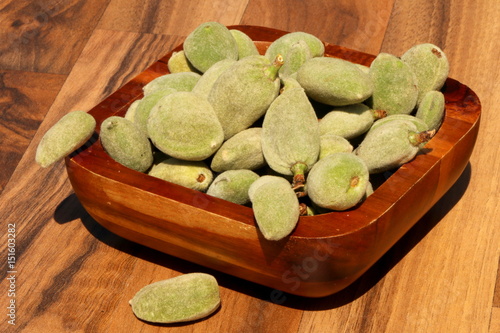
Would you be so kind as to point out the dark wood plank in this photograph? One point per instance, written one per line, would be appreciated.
(25, 98)
(46, 36)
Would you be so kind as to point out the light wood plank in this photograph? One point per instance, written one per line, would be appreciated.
(495, 321)
(169, 17)
(358, 25)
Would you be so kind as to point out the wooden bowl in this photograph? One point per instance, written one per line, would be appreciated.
(324, 254)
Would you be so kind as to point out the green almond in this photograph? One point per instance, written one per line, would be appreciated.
(64, 137)
(183, 298)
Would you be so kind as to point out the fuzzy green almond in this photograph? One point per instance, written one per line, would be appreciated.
(182, 298)
(290, 134)
(145, 105)
(178, 63)
(285, 42)
(244, 91)
(64, 137)
(394, 85)
(233, 185)
(334, 81)
(246, 46)
(419, 123)
(333, 143)
(349, 121)
(296, 56)
(126, 143)
(184, 81)
(338, 181)
(431, 109)
(195, 175)
(430, 65)
(241, 151)
(275, 206)
(184, 125)
(207, 80)
(209, 43)
(391, 145)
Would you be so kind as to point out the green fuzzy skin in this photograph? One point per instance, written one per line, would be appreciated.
(182, 298)
(195, 175)
(283, 44)
(64, 137)
(431, 109)
(297, 55)
(419, 123)
(207, 80)
(388, 146)
(184, 81)
(178, 63)
(275, 206)
(394, 85)
(333, 143)
(126, 143)
(430, 65)
(130, 113)
(338, 182)
(184, 125)
(289, 82)
(233, 185)
(242, 151)
(348, 121)
(242, 93)
(334, 81)
(246, 46)
(209, 43)
(145, 105)
(290, 132)
(365, 69)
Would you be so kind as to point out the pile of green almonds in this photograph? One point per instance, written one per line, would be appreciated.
(291, 132)
(247, 128)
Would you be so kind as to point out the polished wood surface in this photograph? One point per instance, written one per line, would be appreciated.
(72, 275)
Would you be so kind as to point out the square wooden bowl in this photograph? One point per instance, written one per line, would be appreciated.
(325, 253)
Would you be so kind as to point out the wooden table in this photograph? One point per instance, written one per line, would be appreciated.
(68, 274)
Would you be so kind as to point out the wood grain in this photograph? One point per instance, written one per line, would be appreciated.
(74, 276)
(354, 24)
(169, 17)
(25, 98)
(46, 36)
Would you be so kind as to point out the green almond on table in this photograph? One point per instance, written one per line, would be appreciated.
(64, 137)
(182, 298)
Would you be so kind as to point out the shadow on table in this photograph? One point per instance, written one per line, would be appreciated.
(71, 209)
